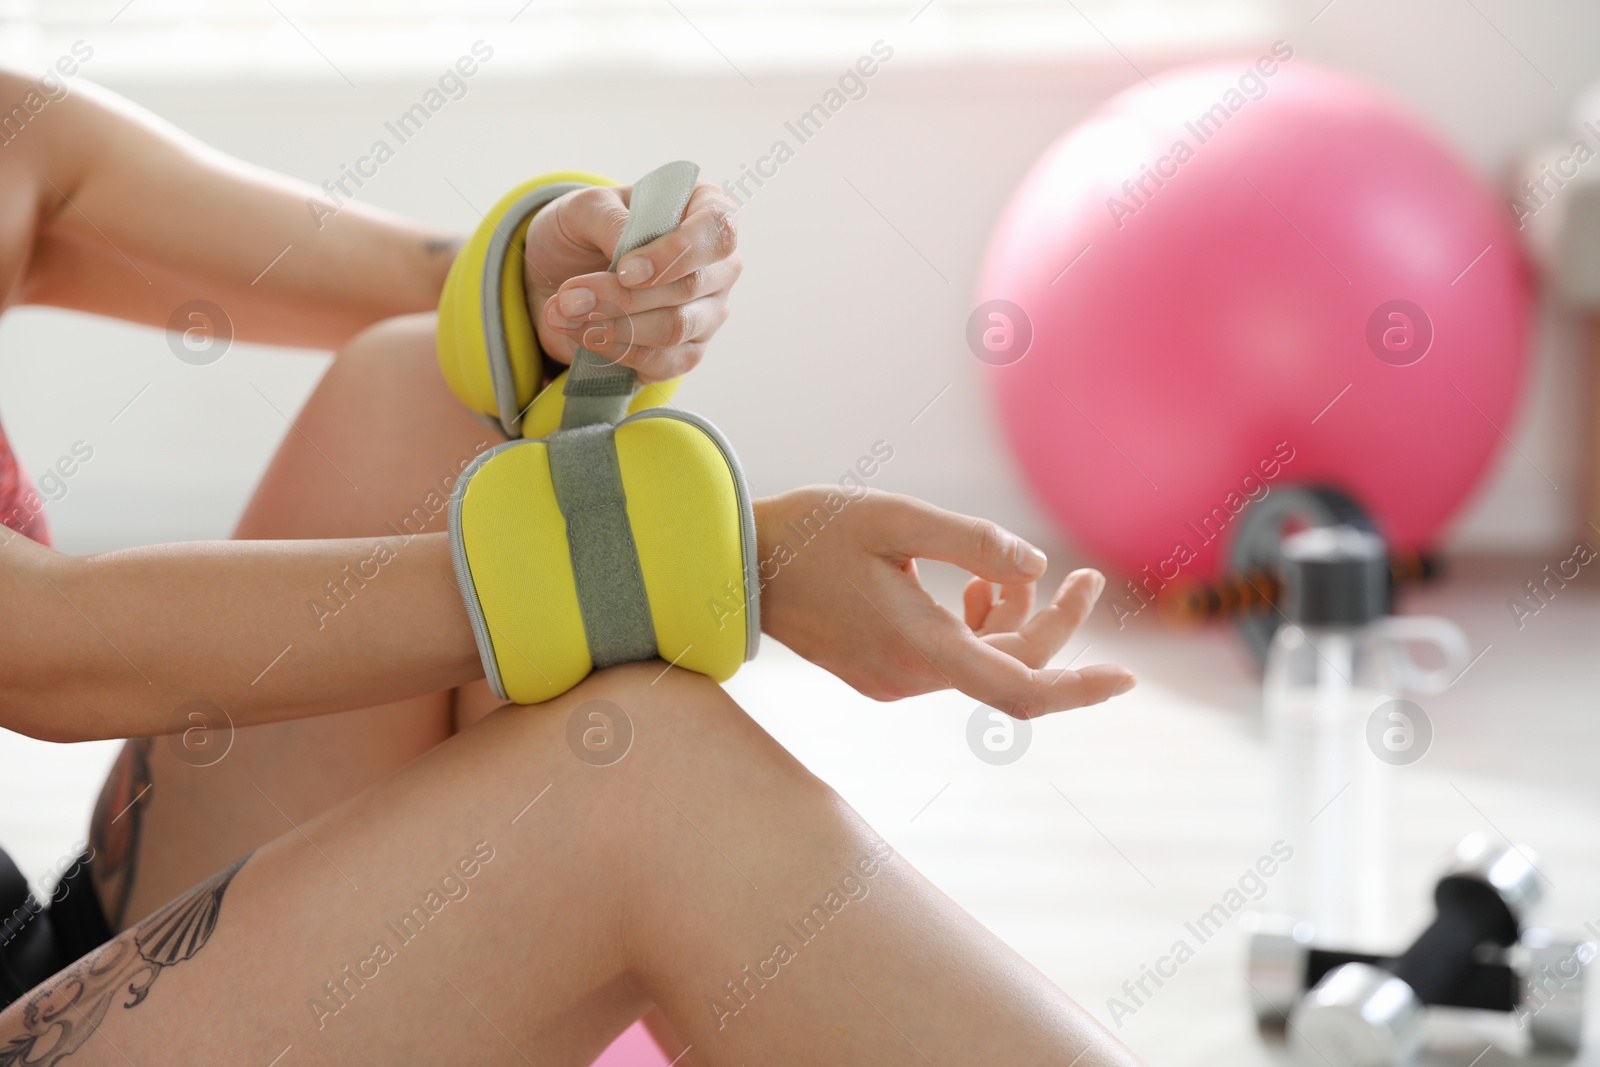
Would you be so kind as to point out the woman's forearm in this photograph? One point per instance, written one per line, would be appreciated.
(113, 645)
(136, 218)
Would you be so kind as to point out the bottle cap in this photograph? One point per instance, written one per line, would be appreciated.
(1335, 576)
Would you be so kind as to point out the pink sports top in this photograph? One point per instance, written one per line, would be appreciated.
(21, 509)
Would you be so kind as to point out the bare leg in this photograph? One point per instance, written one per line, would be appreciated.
(550, 900)
(372, 453)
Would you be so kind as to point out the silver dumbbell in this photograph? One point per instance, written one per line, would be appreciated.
(1540, 981)
(1365, 1010)
(1550, 1004)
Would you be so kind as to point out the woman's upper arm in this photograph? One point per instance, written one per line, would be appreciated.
(20, 180)
(135, 216)
(30, 637)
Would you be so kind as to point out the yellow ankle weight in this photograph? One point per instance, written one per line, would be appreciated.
(687, 510)
(488, 350)
(601, 537)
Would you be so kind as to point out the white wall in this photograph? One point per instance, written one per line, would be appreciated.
(842, 330)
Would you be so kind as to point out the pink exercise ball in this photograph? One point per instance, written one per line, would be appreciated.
(1232, 266)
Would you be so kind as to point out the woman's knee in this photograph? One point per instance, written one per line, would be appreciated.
(385, 384)
(680, 721)
(395, 357)
(681, 804)
(377, 447)
(641, 744)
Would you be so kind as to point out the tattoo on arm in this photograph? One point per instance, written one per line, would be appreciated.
(115, 829)
(61, 1015)
(442, 246)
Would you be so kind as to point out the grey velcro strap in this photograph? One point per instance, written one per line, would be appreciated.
(597, 389)
(605, 558)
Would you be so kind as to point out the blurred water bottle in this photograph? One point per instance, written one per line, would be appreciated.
(1339, 664)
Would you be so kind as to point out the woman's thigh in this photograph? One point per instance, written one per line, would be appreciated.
(375, 451)
(516, 895)
(471, 907)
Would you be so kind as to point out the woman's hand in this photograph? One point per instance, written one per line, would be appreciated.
(840, 587)
(666, 299)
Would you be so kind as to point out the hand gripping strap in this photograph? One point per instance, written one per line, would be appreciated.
(597, 389)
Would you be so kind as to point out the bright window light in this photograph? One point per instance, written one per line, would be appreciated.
(371, 39)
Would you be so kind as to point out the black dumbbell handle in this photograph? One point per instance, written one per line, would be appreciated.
(1485, 986)
(1470, 913)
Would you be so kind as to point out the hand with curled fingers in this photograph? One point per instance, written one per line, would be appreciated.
(664, 302)
(850, 600)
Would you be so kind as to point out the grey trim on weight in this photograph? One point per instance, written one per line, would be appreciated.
(458, 561)
(494, 323)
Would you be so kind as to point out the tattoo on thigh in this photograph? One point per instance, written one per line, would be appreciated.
(63, 1014)
(115, 828)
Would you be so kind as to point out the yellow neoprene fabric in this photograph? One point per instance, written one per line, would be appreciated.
(463, 348)
(684, 507)
(516, 544)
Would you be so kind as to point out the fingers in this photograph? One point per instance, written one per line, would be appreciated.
(667, 298)
(586, 220)
(1039, 638)
(659, 344)
(661, 333)
(581, 297)
(661, 328)
(1006, 670)
(991, 676)
(909, 528)
(977, 600)
(652, 364)
(1016, 603)
(998, 657)
(1053, 627)
(592, 220)
(708, 234)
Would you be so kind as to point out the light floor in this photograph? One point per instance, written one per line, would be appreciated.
(1120, 823)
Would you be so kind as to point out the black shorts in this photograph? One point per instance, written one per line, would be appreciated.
(39, 938)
